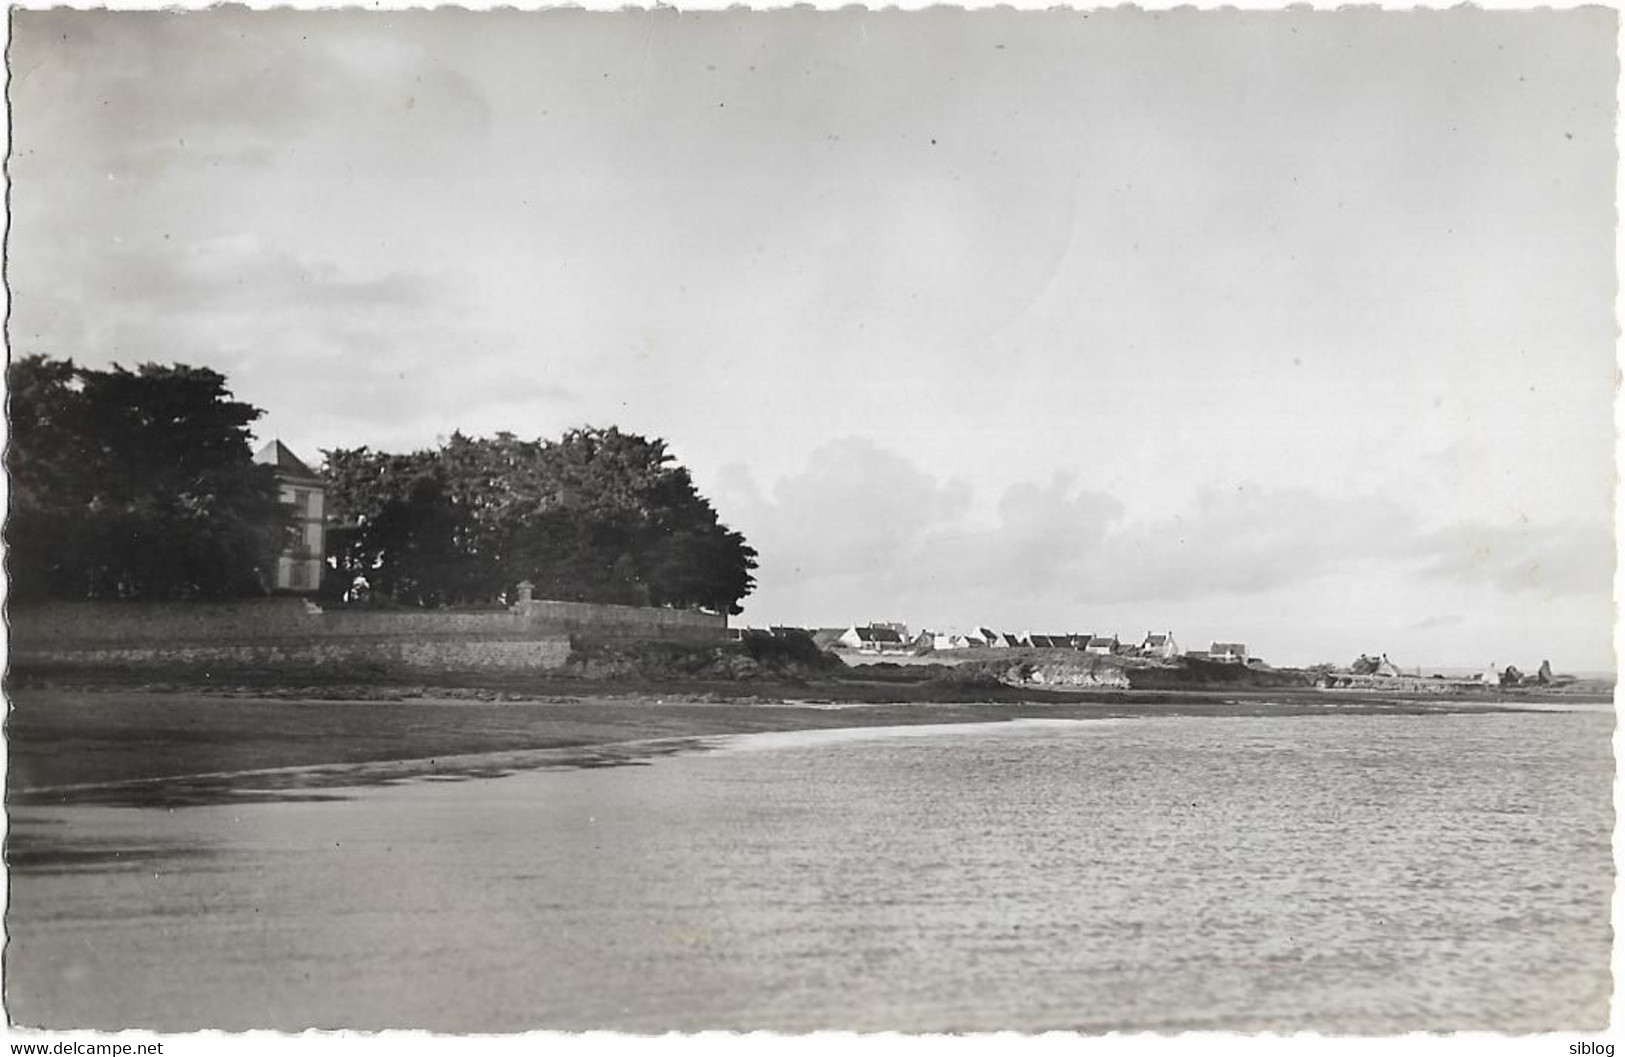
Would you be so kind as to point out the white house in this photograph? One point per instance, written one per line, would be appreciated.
(873, 639)
(1101, 645)
(1162, 645)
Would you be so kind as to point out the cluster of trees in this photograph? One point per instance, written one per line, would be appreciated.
(134, 485)
(142, 485)
(598, 515)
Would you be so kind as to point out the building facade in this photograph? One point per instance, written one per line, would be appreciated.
(876, 638)
(1162, 646)
(299, 566)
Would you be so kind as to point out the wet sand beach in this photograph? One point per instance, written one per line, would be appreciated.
(1243, 864)
(104, 744)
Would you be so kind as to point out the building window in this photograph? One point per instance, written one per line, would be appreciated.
(299, 576)
(301, 501)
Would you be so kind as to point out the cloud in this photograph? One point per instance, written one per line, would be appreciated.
(1045, 534)
(148, 299)
(864, 530)
(244, 273)
(1523, 558)
(336, 355)
(1441, 620)
(138, 93)
(856, 510)
(1248, 540)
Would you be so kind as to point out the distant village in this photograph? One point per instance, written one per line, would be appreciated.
(881, 640)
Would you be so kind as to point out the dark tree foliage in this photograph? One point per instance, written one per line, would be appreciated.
(397, 529)
(135, 485)
(598, 515)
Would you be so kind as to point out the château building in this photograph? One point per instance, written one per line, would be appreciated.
(299, 567)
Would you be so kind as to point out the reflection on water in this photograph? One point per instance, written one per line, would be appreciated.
(343, 781)
(1370, 874)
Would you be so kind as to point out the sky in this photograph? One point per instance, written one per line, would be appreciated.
(1291, 328)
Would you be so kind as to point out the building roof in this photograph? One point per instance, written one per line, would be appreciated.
(1229, 647)
(278, 454)
(1101, 640)
(827, 636)
(874, 634)
(1156, 640)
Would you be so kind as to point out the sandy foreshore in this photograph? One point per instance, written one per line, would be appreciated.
(168, 743)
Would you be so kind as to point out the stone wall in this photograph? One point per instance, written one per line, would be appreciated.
(623, 622)
(61, 625)
(278, 632)
(293, 618)
(537, 654)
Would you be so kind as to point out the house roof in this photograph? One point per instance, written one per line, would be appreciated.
(826, 636)
(1156, 640)
(1229, 647)
(1101, 640)
(278, 454)
(872, 634)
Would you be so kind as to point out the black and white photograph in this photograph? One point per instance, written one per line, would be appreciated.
(799, 520)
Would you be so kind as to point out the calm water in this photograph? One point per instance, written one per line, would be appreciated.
(1371, 874)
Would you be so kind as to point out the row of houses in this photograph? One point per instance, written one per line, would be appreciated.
(891, 638)
(1153, 645)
